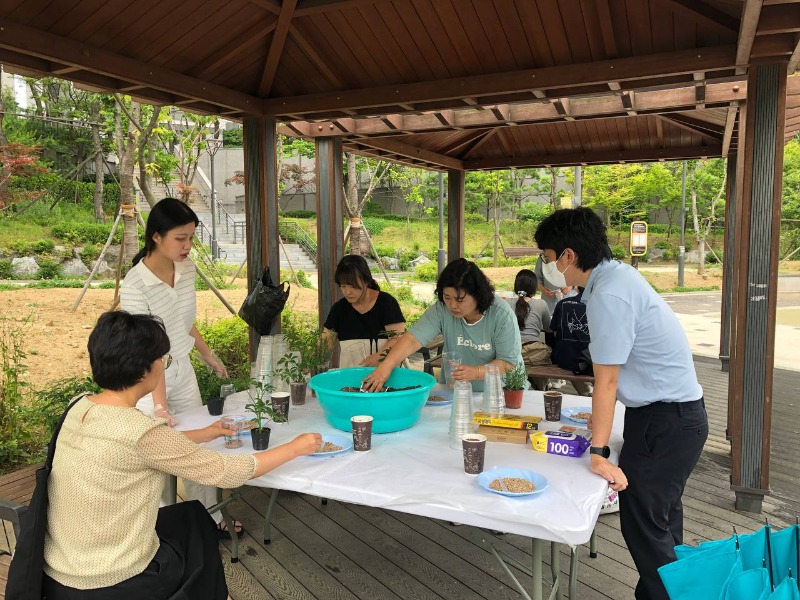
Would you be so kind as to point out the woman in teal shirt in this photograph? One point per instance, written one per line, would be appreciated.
(482, 328)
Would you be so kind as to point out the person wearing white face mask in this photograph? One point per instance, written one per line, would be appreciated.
(641, 357)
(552, 291)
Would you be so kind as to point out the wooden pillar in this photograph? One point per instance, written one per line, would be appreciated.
(330, 233)
(728, 244)
(757, 229)
(261, 205)
(455, 213)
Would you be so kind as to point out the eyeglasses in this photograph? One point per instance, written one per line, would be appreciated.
(167, 358)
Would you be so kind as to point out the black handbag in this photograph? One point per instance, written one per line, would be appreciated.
(27, 567)
(264, 303)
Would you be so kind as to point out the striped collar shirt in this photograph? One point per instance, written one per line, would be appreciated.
(144, 293)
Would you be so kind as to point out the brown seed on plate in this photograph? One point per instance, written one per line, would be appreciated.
(515, 485)
(437, 399)
(582, 415)
(328, 447)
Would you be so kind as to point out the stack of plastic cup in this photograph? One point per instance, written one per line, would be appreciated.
(493, 401)
(461, 413)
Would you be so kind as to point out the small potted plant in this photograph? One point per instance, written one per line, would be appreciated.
(514, 386)
(259, 393)
(318, 354)
(292, 370)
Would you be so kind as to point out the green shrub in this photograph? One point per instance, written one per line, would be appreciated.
(533, 212)
(5, 269)
(372, 209)
(661, 245)
(76, 232)
(618, 252)
(228, 339)
(299, 214)
(427, 272)
(43, 246)
(474, 218)
(304, 280)
(90, 252)
(51, 400)
(670, 254)
(712, 259)
(375, 226)
(20, 247)
(48, 269)
(16, 440)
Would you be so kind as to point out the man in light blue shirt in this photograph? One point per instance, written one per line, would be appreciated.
(641, 357)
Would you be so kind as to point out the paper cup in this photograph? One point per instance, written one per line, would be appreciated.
(362, 432)
(552, 406)
(474, 446)
(280, 403)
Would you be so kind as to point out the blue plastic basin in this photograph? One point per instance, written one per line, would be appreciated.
(391, 411)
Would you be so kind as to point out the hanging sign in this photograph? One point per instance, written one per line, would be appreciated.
(638, 238)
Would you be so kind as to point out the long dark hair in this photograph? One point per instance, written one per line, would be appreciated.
(166, 215)
(353, 270)
(465, 276)
(524, 287)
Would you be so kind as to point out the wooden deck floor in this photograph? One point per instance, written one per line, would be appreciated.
(345, 551)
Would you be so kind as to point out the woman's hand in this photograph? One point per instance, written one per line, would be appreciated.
(161, 411)
(547, 292)
(215, 364)
(372, 360)
(467, 372)
(306, 443)
(374, 381)
(212, 432)
(566, 290)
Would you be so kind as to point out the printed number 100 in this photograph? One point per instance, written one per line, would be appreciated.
(558, 448)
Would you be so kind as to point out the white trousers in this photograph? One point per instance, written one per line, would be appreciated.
(182, 395)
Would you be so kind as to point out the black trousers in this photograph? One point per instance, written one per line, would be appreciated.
(187, 564)
(662, 444)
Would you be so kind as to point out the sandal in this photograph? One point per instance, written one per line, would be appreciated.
(224, 534)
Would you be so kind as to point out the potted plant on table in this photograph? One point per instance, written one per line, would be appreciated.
(514, 385)
(319, 353)
(291, 368)
(259, 392)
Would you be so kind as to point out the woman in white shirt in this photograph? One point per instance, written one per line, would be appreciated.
(161, 283)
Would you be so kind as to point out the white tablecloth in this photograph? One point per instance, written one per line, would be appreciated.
(415, 471)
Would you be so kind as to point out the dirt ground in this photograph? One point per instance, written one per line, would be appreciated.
(55, 337)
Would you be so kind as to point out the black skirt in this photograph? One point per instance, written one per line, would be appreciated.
(187, 565)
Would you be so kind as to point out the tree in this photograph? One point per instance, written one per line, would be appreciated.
(363, 173)
(706, 182)
(17, 160)
(617, 188)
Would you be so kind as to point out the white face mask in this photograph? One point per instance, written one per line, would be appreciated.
(553, 275)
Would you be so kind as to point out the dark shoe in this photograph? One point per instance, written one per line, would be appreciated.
(224, 534)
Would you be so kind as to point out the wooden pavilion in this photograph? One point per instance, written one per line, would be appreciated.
(481, 84)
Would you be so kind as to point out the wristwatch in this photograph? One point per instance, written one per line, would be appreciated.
(605, 451)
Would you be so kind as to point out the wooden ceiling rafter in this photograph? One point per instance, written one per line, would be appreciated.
(594, 158)
(708, 15)
(276, 45)
(781, 18)
(730, 120)
(88, 58)
(322, 65)
(678, 122)
(410, 151)
(565, 77)
(748, 25)
(251, 38)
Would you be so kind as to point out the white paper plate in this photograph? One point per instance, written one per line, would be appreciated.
(569, 413)
(340, 440)
(487, 477)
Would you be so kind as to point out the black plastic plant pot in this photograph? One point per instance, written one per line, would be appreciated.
(215, 405)
(260, 438)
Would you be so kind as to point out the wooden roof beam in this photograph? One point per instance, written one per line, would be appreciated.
(393, 122)
(276, 47)
(316, 58)
(312, 7)
(782, 18)
(32, 42)
(566, 77)
(773, 46)
(606, 28)
(593, 158)
(501, 112)
(410, 151)
(702, 13)
(562, 107)
(216, 63)
(628, 103)
(690, 127)
(699, 89)
(445, 117)
(272, 6)
(730, 120)
(463, 141)
(794, 59)
(478, 143)
(748, 25)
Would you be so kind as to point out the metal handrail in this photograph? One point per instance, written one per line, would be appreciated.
(293, 232)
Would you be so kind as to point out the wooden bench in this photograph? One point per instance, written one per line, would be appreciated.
(16, 490)
(521, 251)
(556, 372)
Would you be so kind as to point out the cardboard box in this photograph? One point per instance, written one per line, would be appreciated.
(561, 443)
(502, 434)
(506, 420)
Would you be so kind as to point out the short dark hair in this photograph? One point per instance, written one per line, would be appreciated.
(354, 271)
(578, 228)
(524, 287)
(122, 347)
(466, 276)
(165, 216)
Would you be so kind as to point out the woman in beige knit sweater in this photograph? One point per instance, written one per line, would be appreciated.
(106, 537)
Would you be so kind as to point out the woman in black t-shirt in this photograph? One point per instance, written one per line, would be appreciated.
(363, 314)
